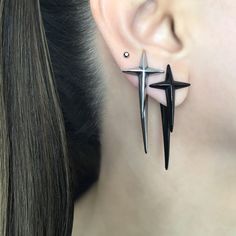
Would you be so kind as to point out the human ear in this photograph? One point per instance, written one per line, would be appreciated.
(136, 25)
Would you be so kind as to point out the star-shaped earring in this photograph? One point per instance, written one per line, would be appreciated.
(168, 112)
(143, 71)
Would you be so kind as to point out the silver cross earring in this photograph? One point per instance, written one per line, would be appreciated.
(143, 71)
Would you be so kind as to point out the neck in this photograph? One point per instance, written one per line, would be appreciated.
(135, 195)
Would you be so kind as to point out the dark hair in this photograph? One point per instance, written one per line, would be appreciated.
(49, 116)
(70, 31)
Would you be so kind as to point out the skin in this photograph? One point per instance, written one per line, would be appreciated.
(135, 195)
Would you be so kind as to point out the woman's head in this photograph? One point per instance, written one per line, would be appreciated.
(52, 86)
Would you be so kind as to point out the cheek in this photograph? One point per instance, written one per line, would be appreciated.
(213, 64)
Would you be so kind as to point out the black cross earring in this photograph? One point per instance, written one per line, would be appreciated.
(168, 112)
(143, 71)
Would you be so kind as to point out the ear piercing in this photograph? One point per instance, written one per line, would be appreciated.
(143, 71)
(126, 54)
(167, 112)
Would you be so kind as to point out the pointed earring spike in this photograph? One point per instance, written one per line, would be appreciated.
(144, 123)
(143, 61)
(142, 72)
(168, 111)
(151, 70)
(143, 109)
(180, 85)
(166, 134)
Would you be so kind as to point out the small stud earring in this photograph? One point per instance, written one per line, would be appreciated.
(126, 54)
(143, 71)
(167, 112)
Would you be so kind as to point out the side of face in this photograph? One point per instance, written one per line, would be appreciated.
(198, 39)
(212, 37)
